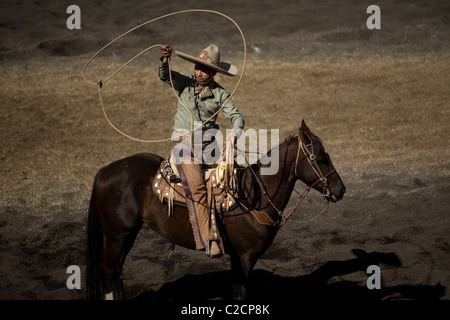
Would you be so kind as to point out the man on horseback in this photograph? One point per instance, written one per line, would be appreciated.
(200, 97)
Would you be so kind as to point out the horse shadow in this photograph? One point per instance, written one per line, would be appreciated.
(266, 285)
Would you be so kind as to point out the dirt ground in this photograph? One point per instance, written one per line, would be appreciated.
(379, 100)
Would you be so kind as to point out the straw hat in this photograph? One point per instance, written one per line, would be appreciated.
(210, 57)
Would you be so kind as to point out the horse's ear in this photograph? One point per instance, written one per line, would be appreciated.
(304, 127)
(302, 132)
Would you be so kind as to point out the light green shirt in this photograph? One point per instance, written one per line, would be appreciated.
(201, 108)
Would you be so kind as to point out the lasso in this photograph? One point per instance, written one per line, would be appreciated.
(100, 83)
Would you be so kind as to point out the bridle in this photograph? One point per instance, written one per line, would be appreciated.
(311, 157)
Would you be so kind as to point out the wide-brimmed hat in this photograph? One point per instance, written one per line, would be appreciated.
(210, 57)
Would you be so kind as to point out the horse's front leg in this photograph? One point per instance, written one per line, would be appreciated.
(241, 267)
(239, 291)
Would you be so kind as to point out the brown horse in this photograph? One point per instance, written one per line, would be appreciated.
(122, 200)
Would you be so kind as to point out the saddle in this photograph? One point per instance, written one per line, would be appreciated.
(167, 186)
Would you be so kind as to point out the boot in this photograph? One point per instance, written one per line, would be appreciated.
(214, 250)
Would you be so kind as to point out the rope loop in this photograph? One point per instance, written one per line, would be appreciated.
(99, 83)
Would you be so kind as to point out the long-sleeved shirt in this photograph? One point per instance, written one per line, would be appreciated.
(201, 108)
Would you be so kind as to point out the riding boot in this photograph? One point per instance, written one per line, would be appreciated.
(214, 250)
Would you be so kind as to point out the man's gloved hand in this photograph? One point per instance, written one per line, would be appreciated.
(166, 52)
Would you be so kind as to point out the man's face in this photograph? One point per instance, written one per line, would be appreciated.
(203, 74)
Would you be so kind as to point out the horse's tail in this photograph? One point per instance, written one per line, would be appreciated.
(94, 248)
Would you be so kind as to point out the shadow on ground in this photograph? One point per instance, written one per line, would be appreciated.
(267, 285)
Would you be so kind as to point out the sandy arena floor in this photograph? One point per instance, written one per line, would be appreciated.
(379, 100)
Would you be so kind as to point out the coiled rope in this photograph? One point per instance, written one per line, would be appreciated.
(99, 83)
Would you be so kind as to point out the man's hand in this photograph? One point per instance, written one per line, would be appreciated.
(232, 136)
(166, 52)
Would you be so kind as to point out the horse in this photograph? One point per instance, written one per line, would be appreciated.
(122, 201)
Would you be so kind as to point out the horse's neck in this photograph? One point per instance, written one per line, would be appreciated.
(280, 184)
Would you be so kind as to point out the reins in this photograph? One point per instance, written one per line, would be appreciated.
(310, 156)
(301, 197)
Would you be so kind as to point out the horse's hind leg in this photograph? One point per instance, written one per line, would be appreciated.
(110, 256)
(114, 254)
(128, 244)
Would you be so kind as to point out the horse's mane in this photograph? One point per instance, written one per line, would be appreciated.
(289, 139)
(286, 141)
(254, 167)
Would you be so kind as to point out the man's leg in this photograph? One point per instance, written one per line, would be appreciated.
(194, 181)
(191, 175)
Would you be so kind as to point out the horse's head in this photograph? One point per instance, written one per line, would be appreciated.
(314, 167)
